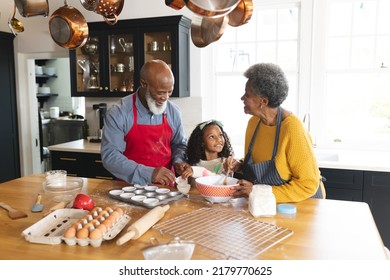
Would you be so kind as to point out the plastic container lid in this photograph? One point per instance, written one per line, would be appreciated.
(289, 209)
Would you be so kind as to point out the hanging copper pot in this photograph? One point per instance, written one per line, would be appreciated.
(110, 10)
(205, 30)
(211, 8)
(241, 14)
(29, 8)
(68, 27)
(175, 4)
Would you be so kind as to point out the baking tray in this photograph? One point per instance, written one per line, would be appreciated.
(153, 195)
(50, 230)
(224, 232)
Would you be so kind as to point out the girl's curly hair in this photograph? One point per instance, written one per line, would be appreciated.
(195, 149)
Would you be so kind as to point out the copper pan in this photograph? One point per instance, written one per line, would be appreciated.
(175, 4)
(110, 10)
(68, 27)
(29, 8)
(211, 8)
(205, 30)
(241, 14)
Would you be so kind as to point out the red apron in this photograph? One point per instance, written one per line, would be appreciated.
(149, 144)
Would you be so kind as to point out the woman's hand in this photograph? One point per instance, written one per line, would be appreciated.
(243, 189)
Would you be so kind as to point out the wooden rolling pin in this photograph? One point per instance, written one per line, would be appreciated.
(144, 223)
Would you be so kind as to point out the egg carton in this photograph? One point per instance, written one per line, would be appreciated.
(51, 229)
(145, 196)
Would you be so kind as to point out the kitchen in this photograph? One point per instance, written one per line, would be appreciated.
(195, 108)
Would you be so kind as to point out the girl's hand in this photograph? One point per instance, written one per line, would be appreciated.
(232, 164)
(243, 189)
(180, 167)
(187, 173)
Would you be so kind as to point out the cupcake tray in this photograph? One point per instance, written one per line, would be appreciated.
(51, 229)
(145, 196)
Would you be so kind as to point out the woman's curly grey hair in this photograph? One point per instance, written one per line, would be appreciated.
(268, 80)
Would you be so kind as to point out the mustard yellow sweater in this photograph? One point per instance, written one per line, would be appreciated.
(295, 159)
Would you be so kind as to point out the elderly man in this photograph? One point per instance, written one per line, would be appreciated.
(143, 136)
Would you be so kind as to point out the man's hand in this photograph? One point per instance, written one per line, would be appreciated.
(163, 176)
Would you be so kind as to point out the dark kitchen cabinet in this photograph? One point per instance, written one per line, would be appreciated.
(343, 184)
(377, 195)
(9, 147)
(80, 164)
(108, 64)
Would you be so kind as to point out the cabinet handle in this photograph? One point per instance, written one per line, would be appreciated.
(68, 159)
(98, 161)
(103, 177)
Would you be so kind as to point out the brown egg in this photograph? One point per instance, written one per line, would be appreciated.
(95, 222)
(109, 210)
(104, 214)
(88, 217)
(83, 221)
(119, 211)
(102, 228)
(97, 209)
(95, 234)
(82, 233)
(77, 226)
(112, 219)
(70, 233)
(90, 227)
(107, 223)
(115, 215)
(100, 219)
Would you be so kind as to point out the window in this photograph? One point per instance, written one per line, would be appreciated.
(336, 55)
(271, 35)
(356, 91)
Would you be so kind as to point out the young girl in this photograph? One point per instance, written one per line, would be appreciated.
(207, 148)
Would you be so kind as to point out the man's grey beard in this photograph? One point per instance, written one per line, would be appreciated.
(157, 110)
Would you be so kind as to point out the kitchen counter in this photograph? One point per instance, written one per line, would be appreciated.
(353, 159)
(322, 229)
(78, 146)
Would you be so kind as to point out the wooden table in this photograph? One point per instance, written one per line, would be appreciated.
(323, 229)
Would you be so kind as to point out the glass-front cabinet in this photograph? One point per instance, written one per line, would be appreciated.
(108, 64)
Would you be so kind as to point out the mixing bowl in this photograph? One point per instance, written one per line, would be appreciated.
(212, 188)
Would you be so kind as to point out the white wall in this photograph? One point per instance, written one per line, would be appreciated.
(36, 43)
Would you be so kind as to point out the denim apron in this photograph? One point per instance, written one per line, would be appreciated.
(265, 172)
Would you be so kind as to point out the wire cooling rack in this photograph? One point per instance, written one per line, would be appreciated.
(231, 235)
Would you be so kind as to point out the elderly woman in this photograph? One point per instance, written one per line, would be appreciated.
(278, 148)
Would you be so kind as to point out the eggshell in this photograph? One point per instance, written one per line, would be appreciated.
(70, 233)
(90, 227)
(120, 211)
(109, 210)
(77, 226)
(107, 223)
(102, 228)
(95, 234)
(95, 222)
(88, 217)
(83, 221)
(115, 216)
(104, 214)
(112, 219)
(97, 209)
(82, 233)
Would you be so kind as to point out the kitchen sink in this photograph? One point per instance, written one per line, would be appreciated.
(326, 156)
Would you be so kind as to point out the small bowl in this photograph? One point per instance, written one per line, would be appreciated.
(150, 194)
(151, 188)
(173, 193)
(129, 189)
(138, 198)
(162, 190)
(116, 192)
(150, 201)
(140, 191)
(212, 189)
(162, 196)
(127, 195)
(139, 186)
